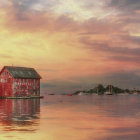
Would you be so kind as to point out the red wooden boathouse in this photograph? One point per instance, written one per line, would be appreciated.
(19, 81)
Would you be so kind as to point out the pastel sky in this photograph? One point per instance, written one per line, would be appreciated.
(73, 44)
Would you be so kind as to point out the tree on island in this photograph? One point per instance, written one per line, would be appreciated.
(114, 89)
(100, 89)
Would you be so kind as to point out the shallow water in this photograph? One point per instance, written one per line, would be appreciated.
(62, 117)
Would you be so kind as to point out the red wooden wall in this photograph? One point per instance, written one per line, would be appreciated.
(10, 86)
(6, 83)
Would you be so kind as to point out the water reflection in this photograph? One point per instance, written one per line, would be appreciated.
(15, 115)
(92, 117)
(71, 118)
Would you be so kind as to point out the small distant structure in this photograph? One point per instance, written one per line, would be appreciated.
(110, 91)
(19, 82)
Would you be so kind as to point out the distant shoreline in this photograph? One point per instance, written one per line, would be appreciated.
(108, 90)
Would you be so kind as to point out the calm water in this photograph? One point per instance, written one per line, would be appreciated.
(71, 118)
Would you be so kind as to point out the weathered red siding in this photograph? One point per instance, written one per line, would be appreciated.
(6, 83)
(26, 87)
(10, 86)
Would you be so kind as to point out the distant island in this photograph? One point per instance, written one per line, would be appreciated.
(108, 90)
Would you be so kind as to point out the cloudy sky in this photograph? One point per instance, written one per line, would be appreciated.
(74, 44)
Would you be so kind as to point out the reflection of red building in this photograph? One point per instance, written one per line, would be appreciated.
(19, 112)
(19, 81)
(25, 108)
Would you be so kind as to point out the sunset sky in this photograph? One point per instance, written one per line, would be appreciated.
(73, 44)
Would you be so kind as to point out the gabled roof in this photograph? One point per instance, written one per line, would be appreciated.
(23, 72)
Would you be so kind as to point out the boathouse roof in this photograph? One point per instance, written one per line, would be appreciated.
(23, 72)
